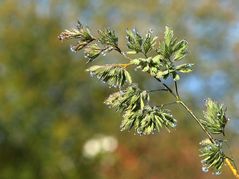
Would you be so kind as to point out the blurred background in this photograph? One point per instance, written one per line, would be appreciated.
(53, 123)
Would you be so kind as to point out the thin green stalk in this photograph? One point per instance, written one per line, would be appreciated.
(166, 86)
(176, 89)
(155, 90)
(190, 111)
(179, 101)
(122, 53)
(197, 120)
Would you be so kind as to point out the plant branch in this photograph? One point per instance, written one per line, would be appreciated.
(186, 107)
(197, 120)
(155, 90)
(176, 89)
(228, 162)
(169, 52)
(166, 86)
(179, 101)
(122, 53)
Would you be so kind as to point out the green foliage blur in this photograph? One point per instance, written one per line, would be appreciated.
(50, 107)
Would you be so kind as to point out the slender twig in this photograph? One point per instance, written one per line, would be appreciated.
(145, 55)
(166, 86)
(156, 90)
(187, 109)
(176, 89)
(122, 53)
(197, 120)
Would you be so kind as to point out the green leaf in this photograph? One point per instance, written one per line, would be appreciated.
(132, 98)
(131, 52)
(149, 42)
(215, 117)
(148, 120)
(128, 77)
(176, 76)
(113, 75)
(157, 59)
(92, 51)
(77, 47)
(135, 61)
(212, 155)
(184, 68)
(149, 65)
(180, 50)
(108, 37)
(162, 74)
(168, 36)
(172, 49)
(80, 32)
(134, 40)
(146, 68)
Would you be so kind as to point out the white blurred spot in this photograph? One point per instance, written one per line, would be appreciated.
(109, 144)
(101, 144)
(91, 148)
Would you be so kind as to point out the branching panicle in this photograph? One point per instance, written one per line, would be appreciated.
(134, 103)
